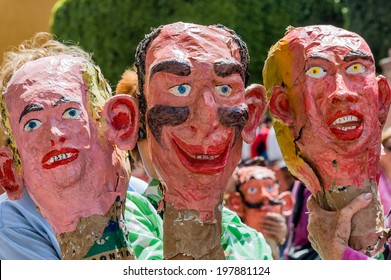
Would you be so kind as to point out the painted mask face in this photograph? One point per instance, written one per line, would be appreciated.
(339, 89)
(257, 193)
(195, 112)
(261, 194)
(57, 140)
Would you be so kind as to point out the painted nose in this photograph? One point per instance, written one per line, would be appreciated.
(205, 113)
(342, 93)
(57, 136)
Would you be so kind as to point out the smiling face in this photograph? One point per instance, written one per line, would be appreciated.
(56, 138)
(195, 105)
(328, 104)
(337, 81)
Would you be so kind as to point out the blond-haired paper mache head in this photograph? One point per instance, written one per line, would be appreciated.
(63, 137)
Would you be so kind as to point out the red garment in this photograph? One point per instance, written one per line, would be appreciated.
(258, 148)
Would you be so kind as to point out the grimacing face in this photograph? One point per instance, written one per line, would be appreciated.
(193, 87)
(58, 142)
(339, 89)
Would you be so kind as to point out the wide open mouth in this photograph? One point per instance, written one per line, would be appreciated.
(59, 157)
(347, 126)
(196, 160)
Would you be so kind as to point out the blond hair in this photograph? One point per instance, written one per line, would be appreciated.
(40, 46)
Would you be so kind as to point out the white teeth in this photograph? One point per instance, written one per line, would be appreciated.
(345, 119)
(204, 157)
(348, 128)
(59, 157)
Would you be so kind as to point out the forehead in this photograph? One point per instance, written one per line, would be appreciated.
(263, 180)
(40, 78)
(326, 40)
(193, 43)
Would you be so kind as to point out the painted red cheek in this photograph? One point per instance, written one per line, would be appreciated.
(120, 121)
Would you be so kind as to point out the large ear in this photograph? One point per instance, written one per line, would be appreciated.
(122, 118)
(10, 180)
(288, 202)
(256, 101)
(279, 105)
(235, 203)
(384, 98)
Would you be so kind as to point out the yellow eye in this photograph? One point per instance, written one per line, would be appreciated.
(316, 72)
(356, 68)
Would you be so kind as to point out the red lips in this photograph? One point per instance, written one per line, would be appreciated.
(196, 160)
(346, 126)
(59, 157)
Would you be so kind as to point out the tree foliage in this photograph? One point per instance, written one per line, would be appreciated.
(111, 29)
(371, 19)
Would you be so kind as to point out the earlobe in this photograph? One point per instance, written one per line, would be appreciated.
(384, 98)
(256, 101)
(287, 203)
(279, 105)
(122, 119)
(10, 181)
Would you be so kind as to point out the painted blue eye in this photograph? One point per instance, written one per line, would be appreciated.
(32, 125)
(71, 114)
(224, 90)
(181, 90)
(252, 190)
(269, 188)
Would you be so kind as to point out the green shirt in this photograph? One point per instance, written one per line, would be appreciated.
(239, 241)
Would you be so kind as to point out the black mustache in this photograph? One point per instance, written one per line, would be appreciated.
(234, 117)
(161, 115)
(260, 204)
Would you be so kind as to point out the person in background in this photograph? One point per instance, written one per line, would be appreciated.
(276, 162)
(258, 202)
(298, 247)
(259, 147)
(385, 175)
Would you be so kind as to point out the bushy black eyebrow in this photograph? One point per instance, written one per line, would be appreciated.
(173, 66)
(318, 56)
(226, 68)
(358, 54)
